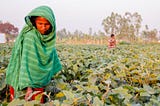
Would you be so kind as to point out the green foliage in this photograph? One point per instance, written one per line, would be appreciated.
(94, 75)
(124, 43)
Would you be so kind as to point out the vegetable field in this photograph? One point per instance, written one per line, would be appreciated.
(94, 75)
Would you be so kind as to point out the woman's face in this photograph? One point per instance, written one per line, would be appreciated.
(42, 25)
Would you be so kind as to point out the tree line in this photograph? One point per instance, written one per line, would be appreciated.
(126, 27)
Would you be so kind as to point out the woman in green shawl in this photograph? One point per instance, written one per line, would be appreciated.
(34, 59)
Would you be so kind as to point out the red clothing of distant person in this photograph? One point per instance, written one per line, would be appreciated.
(112, 41)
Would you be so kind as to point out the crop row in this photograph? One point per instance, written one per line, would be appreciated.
(92, 75)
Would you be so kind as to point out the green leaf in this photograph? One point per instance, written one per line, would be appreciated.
(62, 85)
(145, 94)
(97, 102)
(18, 102)
(123, 93)
(92, 78)
(92, 88)
(149, 89)
(75, 68)
(69, 95)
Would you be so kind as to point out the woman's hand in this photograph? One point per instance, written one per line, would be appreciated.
(28, 93)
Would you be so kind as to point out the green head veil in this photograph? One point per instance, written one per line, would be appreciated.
(34, 59)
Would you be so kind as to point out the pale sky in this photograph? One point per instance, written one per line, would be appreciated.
(82, 14)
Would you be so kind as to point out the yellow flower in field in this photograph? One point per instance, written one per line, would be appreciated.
(39, 96)
(59, 95)
(90, 71)
(75, 101)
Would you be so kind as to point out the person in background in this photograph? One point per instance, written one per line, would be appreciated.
(112, 41)
(34, 60)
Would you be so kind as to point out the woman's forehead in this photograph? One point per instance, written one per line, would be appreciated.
(39, 18)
